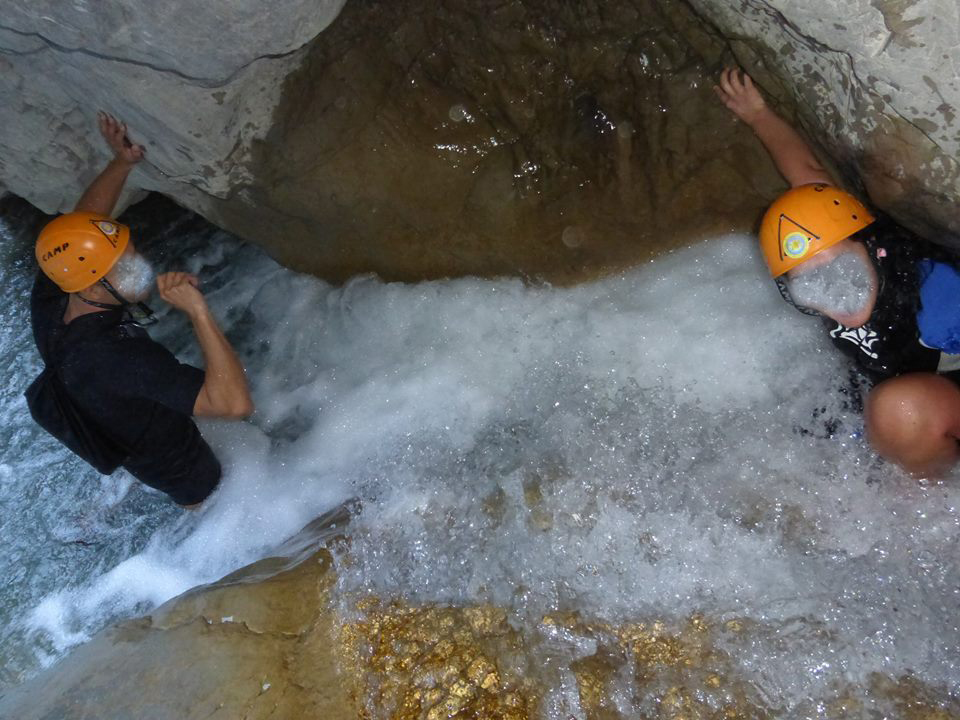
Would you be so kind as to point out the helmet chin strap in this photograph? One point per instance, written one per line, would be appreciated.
(785, 294)
(105, 284)
(138, 311)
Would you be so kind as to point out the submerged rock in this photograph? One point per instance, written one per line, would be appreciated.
(273, 641)
(236, 649)
(262, 642)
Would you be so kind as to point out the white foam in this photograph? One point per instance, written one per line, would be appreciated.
(673, 419)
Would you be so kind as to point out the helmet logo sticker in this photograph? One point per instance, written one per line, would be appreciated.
(795, 245)
(796, 239)
(109, 229)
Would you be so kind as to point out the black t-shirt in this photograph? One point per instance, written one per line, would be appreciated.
(133, 387)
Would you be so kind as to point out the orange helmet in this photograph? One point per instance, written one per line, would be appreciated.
(77, 249)
(805, 220)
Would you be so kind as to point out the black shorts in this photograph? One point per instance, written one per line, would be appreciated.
(188, 478)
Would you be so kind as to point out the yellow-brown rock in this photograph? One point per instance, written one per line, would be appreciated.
(273, 641)
(248, 647)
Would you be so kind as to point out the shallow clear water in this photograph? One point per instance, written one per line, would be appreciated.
(670, 440)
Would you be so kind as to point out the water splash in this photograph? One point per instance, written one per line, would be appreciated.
(670, 440)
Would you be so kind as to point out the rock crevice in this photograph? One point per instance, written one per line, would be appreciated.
(197, 80)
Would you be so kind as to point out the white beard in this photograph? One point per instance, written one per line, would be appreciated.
(842, 287)
(135, 276)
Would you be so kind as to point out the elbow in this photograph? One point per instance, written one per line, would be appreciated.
(247, 410)
(808, 173)
(235, 406)
(240, 409)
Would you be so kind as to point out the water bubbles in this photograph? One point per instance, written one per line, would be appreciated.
(573, 236)
(528, 168)
(458, 113)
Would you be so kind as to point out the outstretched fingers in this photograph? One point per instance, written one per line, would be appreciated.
(115, 133)
(110, 128)
(736, 90)
(731, 83)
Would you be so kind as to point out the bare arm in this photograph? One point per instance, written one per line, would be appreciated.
(790, 152)
(225, 392)
(102, 194)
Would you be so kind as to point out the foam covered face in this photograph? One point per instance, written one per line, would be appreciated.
(841, 288)
(133, 276)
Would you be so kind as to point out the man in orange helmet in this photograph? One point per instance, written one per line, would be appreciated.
(108, 392)
(889, 297)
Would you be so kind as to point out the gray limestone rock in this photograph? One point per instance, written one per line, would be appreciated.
(202, 42)
(196, 82)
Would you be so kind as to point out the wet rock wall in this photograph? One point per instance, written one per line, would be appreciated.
(413, 139)
(196, 82)
(875, 85)
(423, 139)
(550, 139)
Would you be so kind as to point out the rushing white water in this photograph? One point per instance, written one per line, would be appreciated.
(670, 440)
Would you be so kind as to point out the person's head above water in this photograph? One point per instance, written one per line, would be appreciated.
(806, 241)
(83, 251)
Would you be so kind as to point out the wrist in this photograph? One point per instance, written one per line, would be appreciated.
(122, 163)
(758, 116)
(199, 314)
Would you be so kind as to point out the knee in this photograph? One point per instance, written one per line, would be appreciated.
(909, 417)
(894, 411)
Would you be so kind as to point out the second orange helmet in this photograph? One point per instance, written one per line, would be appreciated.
(805, 220)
